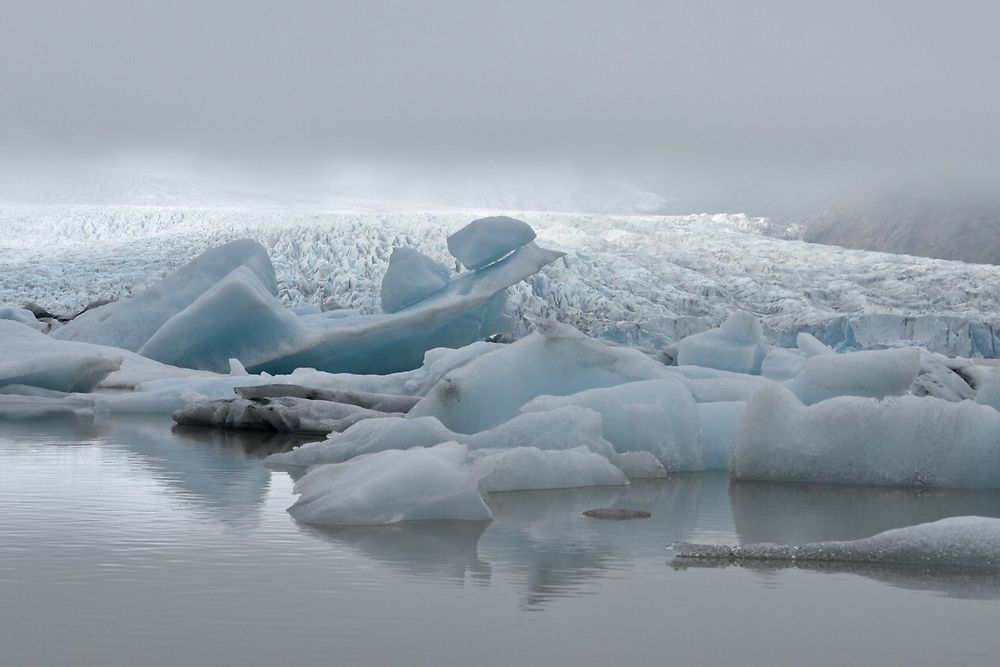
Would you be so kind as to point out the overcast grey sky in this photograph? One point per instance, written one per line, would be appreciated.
(787, 85)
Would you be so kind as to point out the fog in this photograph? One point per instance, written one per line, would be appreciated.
(680, 97)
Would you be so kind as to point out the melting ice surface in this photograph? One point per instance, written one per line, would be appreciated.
(127, 542)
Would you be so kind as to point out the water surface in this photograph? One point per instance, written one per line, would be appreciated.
(128, 542)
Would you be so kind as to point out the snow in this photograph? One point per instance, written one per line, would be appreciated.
(487, 240)
(963, 541)
(904, 441)
(411, 277)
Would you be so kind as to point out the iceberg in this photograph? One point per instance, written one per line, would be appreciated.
(955, 542)
(655, 416)
(904, 441)
(557, 360)
(23, 316)
(530, 468)
(875, 373)
(131, 322)
(418, 484)
(738, 345)
(487, 240)
(223, 305)
(363, 399)
(411, 277)
(286, 413)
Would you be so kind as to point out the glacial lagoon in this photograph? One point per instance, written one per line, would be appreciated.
(130, 541)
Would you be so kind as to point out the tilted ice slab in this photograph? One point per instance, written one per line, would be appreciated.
(906, 440)
(643, 280)
(965, 541)
(131, 322)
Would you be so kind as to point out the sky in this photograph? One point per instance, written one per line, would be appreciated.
(770, 87)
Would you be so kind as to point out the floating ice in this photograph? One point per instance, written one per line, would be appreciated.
(810, 345)
(527, 468)
(222, 305)
(131, 322)
(487, 240)
(22, 315)
(902, 440)
(989, 392)
(294, 415)
(556, 360)
(738, 345)
(411, 277)
(720, 424)
(655, 416)
(364, 399)
(563, 428)
(782, 364)
(28, 357)
(874, 373)
(964, 541)
(435, 483)
(237, 316)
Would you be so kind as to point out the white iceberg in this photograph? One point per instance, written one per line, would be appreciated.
(655, 416)
(530, 468)
(487, 240)
(411, 277)
(557, 360)
(418, 484)
(738, 345)
(905, 440)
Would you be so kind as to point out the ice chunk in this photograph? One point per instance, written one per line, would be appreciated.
(28, 357)
(468, 309)
(720, 424)
(435, 483)
(738, 345)
(527, 468)
(564, 428)
(366, 437)
(655, 416)
(874, 373)
(782, 364)
(962, 541)
(639, 465)
(364, 399)
(33, 406)
(237, 315)
(557, 360)
(22, 315)
(906, 440)
(811, 345)
(131, 322)
(484, 241)
(989, 392)
(936, 377)
(411, 276)
(294, 415)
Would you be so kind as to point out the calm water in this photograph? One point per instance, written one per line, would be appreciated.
(127, 543)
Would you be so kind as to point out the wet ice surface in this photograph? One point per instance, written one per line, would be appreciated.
(127, 543)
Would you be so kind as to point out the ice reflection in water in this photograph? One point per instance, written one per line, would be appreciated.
(182, 536)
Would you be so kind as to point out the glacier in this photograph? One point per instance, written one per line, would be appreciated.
(642, 280)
